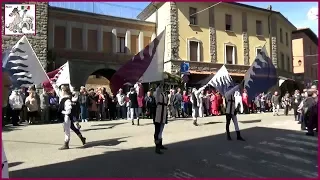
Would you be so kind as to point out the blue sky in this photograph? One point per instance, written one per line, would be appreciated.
(296, 12)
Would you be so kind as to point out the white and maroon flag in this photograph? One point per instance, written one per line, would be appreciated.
(146, 66)
(23, 65)
(58, 77)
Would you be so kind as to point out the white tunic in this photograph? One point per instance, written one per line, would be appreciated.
(162, 102)
(5, 170)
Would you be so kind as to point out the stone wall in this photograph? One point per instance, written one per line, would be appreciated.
(212, 36)
(274, 51)
(246, 48)
(213, 45)
(38, 41)
(174, 31)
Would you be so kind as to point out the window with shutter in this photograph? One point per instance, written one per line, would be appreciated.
(230, 54)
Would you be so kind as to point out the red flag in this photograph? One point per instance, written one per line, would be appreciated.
(134, 69)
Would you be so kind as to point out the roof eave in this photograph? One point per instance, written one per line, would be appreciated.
(146, 12)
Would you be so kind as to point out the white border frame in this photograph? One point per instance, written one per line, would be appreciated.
(193, 39)
(233, 52)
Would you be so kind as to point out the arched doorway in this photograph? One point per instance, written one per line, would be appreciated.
(100, 78)
(290, 86)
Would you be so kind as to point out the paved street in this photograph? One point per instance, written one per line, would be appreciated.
(274, 148)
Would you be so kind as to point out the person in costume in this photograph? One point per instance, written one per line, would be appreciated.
(161, 118)
(65, 112)
(233, 106)
(195, 100)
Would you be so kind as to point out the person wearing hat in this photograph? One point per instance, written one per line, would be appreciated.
(6, 85)
(161, 118)
(233, 106)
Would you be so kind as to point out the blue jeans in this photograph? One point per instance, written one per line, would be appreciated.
(84, 111)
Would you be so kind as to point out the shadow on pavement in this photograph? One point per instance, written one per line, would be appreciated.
(107, 142)
(251, 121)
(9, 128)
(266, 153)
(210, 123)
(14, 164)
(111, 125)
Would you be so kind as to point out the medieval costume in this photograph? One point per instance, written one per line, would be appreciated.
(214, 104)
(233, 105)
(245, 102)
(65, 112)
(161, 118)
(195, 100)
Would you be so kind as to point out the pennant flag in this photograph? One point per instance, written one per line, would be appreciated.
(58, 77)
(24, 66)
(146, 66)
(260, 77)
(221, 80)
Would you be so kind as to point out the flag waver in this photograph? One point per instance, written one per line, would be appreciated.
(146, 66)
(24, 66)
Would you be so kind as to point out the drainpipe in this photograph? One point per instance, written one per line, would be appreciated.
(269, 27)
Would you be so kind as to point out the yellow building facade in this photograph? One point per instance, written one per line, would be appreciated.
(228, 33)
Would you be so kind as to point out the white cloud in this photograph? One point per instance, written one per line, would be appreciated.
(313, 14)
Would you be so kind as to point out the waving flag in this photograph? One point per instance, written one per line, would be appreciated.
(260, 77)
(24, 66)
(221, 80)
(58, 77)
(146, 66)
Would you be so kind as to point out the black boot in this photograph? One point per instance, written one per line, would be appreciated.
(158, 149)
(132, 122)
(83, 139)
(239, 136)
(138, 122)
(195, 123)
(161, 146)
(65, 146)
(228, 136)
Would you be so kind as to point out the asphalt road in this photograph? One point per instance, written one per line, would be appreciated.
(274, 147)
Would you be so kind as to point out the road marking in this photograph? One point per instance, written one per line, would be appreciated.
(297, 142)
(281, 167)
(277, 154)
(181, 174)
(302, 136)
(292, 148)
(238, 172)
